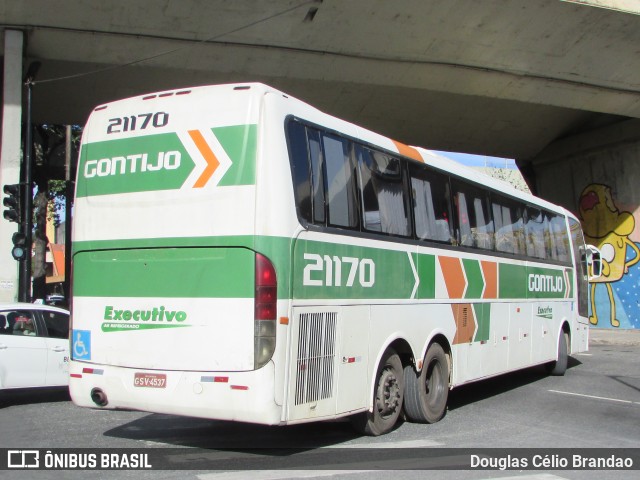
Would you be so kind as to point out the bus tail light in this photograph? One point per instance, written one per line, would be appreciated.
(266, 297)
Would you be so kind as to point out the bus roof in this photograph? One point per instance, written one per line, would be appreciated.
(414, 153)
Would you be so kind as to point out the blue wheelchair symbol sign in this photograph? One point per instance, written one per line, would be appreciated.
(82, 345)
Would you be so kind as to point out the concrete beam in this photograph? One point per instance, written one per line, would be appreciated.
(248, 61)
(625, 131)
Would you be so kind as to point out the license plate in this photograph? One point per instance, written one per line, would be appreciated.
(150, 380)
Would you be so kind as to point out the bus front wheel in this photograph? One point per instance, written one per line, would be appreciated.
(559, 367)
(426, 393)
(387, 400)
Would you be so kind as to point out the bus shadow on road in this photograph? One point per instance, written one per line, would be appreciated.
(237, 448)
(491, 387)
(30, 396)
(212, 434)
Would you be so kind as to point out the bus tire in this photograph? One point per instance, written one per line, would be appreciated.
(559, 367)
(387, 400)
(426, 394)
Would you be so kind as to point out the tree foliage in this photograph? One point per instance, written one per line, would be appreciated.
(49, 173)
(49, 165)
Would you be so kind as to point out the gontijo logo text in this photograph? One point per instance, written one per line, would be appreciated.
(117, 319)
(138, 162)
(545, 283)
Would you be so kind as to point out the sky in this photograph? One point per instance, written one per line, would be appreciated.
(479, 160)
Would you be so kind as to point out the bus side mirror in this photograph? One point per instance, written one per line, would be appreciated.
(594, 262)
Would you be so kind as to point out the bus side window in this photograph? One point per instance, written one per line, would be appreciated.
(509, 223)
(317, 176)
(341, 193)
(384, 199)
(300, 169)
(559, 239)
(504, 233)
(431, 204)
(474, 225)
(535, 233)
(548, 236)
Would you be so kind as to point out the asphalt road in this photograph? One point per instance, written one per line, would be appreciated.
(595, 405)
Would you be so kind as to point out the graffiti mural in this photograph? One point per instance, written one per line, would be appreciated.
(615, 300)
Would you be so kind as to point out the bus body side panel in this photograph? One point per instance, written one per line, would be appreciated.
(352, 298)
(579, 338)
(329, 361)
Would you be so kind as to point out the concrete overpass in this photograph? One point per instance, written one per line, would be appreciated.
(496, 77)
(554, 84)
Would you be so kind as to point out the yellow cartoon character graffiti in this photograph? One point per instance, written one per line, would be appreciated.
(606, 227)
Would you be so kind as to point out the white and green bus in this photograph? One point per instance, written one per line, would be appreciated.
(240, 255)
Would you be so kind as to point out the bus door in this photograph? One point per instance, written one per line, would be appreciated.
(581, 271)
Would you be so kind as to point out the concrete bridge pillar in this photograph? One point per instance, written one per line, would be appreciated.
(10, 153)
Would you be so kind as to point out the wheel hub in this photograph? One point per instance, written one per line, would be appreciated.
(388, 398)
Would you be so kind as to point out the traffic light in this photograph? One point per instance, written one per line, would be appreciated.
(13, 213)
(12, 202)
(19, 250)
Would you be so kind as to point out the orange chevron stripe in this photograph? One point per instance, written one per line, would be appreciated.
(465, 319)
(408, 151)
(490, 271)
(453, 276)
(209, 156)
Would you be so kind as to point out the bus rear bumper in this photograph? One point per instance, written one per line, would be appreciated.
(234, 396)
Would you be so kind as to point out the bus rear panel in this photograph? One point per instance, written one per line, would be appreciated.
(174, 308)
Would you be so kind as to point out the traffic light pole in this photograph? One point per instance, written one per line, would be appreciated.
(27, 219)
(25, 266)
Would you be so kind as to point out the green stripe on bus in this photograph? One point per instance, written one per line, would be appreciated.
(568, 273)
(427, 273)
(165, 273)
(475, 281)
(277, 249)
(239, 141)
(140, 164)
(483, 317)
(332, 270)
(323, 270)
(160, 162)
(512, 281)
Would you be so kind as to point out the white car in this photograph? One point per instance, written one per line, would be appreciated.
(34, 346)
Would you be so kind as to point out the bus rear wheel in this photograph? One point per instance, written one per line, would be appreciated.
(388, 398)
(426, 393)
